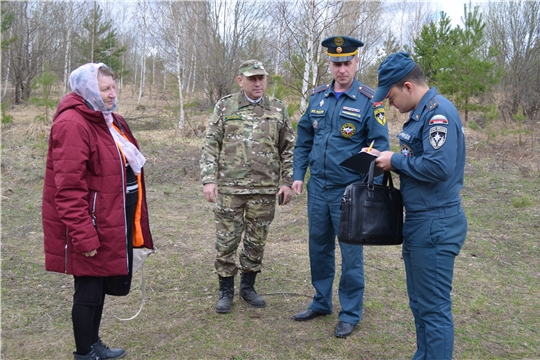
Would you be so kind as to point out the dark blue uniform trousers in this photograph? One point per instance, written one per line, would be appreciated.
(431, 242)
(323, 215)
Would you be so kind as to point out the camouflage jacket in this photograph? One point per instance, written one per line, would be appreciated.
(248, 148)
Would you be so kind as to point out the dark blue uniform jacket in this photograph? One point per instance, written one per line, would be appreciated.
(330, 132)
(432, 159)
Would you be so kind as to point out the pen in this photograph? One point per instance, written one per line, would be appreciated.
(371, 146)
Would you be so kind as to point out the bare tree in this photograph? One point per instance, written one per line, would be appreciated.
(514, 28)
(70, 17)
(225, 29)
(141, 16)
(35, 43)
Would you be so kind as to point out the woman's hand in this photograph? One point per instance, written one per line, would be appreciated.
(90, 253)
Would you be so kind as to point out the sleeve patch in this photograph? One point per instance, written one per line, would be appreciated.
(438, 120)
(380, 116)
(437, 136)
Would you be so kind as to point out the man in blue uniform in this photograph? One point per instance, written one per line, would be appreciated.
(339, 121)
(431, 166)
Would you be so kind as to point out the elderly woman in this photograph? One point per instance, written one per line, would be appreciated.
(94, 205)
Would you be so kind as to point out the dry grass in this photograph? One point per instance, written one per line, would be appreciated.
(496, 285)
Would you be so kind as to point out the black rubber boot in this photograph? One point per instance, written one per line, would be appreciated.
(104, 352)
(247, 290)
(226, 294)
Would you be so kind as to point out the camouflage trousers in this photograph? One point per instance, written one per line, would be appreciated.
(250, 215)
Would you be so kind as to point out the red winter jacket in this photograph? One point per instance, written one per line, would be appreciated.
(84, 194)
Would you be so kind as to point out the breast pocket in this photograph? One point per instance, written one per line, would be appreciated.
(267, 131)
(410, 144)
(350, 124)
(317, 117)
(233, 126)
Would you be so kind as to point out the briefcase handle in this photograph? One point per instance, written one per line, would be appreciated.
(387, 176)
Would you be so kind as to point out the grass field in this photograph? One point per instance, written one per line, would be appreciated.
(496, 284)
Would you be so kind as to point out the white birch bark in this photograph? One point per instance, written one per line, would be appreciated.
(309, 56)
(143, 63)
(67, 57)
(319, 46)
(178, 75)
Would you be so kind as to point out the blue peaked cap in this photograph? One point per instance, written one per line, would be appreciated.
(394, 68)
(341, 48)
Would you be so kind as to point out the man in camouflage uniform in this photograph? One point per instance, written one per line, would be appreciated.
(247, 154)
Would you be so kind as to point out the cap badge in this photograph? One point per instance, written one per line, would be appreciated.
(339, 50)
(255, 65)
(339, 41)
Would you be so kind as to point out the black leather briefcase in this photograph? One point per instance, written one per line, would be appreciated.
(371, 214)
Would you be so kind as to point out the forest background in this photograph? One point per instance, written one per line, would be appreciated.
(175, 60)
(188, 52)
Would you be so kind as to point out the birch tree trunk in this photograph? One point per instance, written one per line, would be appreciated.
(309, 56)
(317, 59)
(179, 77)
(67, 57)
(142, 59)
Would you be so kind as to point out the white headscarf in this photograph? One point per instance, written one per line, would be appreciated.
(84, 82)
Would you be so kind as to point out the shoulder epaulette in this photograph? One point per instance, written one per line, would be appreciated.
(276, 100)
(226, 96)
(432, 104)
(319, 89)
(366, 91)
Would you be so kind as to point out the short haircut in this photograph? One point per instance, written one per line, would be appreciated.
(416, 75)
(106, 71)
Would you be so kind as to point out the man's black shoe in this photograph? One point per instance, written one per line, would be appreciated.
(307, 315)
(343, 329)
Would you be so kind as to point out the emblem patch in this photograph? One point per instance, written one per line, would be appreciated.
(406, 150)
(438, 120)
(437, 136)
(348, 130)
(321, 103)
(315, 124)
(379, 115)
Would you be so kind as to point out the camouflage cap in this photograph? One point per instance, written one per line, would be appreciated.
(252, 67)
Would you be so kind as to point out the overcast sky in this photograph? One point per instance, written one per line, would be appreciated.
(454, 8)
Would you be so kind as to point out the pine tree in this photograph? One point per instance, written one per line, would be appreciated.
(468, 67)
(5, 25)
(434, 42)
(45, 83)
(98, 42)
